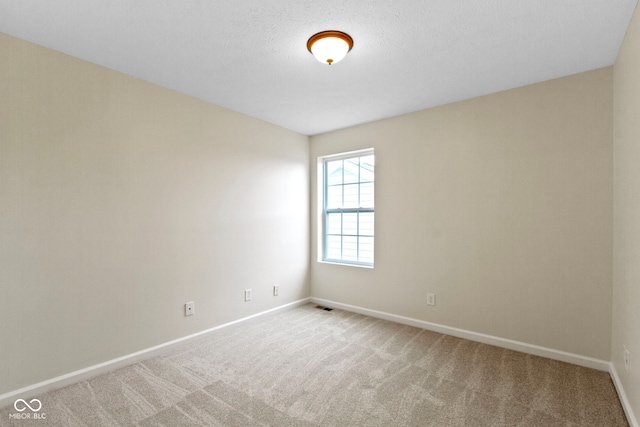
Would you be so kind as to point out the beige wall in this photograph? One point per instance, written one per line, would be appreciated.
(500, 205)
(626, 218)
(120, 201)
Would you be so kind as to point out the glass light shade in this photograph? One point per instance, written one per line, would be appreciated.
(330, 47)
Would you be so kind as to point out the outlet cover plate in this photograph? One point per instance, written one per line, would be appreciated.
(627, 358)
(431, 299)
(189, 308)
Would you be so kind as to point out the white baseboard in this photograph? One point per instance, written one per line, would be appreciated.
(549, 353)
(120, 362)
(624, 400)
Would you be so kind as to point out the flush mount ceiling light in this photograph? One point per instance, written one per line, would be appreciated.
(329, 47)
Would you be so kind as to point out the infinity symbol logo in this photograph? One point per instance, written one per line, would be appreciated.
(26, 405)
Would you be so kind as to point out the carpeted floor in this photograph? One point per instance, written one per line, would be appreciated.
(310, 367)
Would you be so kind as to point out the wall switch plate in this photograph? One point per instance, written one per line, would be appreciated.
(627, 358)
(276, 290)
(247, 295)
(189, 308)
(431, 299)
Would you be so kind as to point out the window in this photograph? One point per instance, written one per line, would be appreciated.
(348, 208)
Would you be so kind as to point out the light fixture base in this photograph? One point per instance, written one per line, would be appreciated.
(329, 47)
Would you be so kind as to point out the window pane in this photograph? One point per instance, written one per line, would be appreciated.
(334, 197)
(351, 170)
(334, 223)
(366, 224)
(350, 223)
(351, 196)
(366, 249)
(350, 248)
(366, 195)
(334, 172)
(366, 169)
(334, 247)
(369, 160)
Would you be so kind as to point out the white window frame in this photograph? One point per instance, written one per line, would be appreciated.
(323, 211)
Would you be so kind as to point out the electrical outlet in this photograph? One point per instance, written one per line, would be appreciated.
(189, 308)
(431, 299)
(627, 358)
(276, 290)
(247, 295)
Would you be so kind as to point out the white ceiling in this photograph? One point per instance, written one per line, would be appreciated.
(251, 56)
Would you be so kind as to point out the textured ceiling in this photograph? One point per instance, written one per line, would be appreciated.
(250, 55)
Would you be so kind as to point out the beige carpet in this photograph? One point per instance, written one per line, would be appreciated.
(310, 367)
